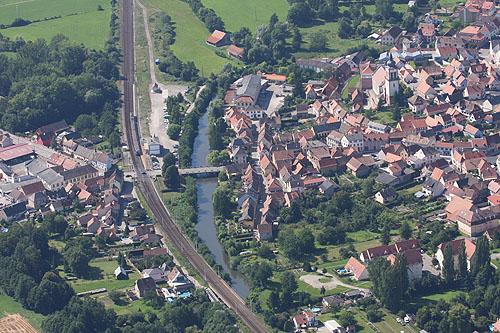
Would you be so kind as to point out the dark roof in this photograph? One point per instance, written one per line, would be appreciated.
(394, 31)
(78, 172)
(54, 127)
(15, 209)
(146, 284)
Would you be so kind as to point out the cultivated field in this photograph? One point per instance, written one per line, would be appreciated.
(80, 21)
(16, 323)
(190, 37)
(250, 13)
(9, 306)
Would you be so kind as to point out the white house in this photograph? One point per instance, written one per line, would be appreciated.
(353, 140)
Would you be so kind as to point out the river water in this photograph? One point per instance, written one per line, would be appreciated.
(206, 224)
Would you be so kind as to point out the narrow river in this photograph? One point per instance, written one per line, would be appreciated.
(206, 224)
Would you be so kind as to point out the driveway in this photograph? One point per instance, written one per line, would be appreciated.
(428, 266)
(313, 280)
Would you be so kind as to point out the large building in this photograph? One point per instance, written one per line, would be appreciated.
(470, 251)
(248, 91)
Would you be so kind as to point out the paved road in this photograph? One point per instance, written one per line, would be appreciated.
(144, 183)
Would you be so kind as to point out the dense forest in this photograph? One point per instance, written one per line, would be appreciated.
(61, 79)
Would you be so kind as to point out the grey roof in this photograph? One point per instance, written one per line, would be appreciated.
(84, 152)
(250, 86)
(354, 137)
(34, 167)
(6, 170)
(119, 270)
(50, 177)
(101, 157)
(314, 63)
(387, 179)
(388, 192)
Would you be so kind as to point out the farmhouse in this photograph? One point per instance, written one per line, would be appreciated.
(218, 38)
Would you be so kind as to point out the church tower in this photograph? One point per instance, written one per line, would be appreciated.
(391, 80)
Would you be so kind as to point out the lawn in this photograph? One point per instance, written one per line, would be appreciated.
(353, 83)
(315, 292)
(383, 117)
(333, 251)
(80, 21)
(107, 279)
(250, 13)
(128, 306)
(190, 37)
(8, 306)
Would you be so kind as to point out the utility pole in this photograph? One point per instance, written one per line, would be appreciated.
(17, 10)
(202, 71)
(255, 11)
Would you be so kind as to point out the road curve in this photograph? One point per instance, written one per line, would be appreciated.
(161, 215)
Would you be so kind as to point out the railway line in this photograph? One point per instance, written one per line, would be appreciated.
(146, 186)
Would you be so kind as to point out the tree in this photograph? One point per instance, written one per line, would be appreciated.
(448, 264)
(346, 318)
(50, 295)
(171, 179)
(289, 282)
(218, 158)
(318, 40)
(223, 206)
(405, 230)
(264, 252)
(168, 160)
(222, 176)
(274, 300)
(385, 237)
(300, 13)
(273, 20)
(384, 8)
(173, 131)
(77, 255)
(345, 28)
(462, 263)
(297, 39)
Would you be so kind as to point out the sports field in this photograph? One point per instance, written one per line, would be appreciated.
(190, 37)
(80, 20)
(249, 13)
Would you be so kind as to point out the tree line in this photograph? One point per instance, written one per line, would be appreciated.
(206, 15)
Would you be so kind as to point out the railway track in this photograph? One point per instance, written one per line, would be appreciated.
(146, 186)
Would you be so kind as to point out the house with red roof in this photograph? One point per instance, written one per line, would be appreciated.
(357, 269)
(218, 38)
(235, 51)
(470, 251)
(414, 263)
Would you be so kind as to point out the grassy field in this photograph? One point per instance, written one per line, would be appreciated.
(337, 46)
(250, 13)
(8, 306)
(107, 279)
(80, 21)
(190, 37)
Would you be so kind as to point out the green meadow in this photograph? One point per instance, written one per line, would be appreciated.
(79, 20)
(190, 37)
(250, 13)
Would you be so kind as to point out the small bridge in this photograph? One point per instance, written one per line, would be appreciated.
(201, 171)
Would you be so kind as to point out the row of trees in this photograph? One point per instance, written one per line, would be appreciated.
(190, 124)
(206, 15)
